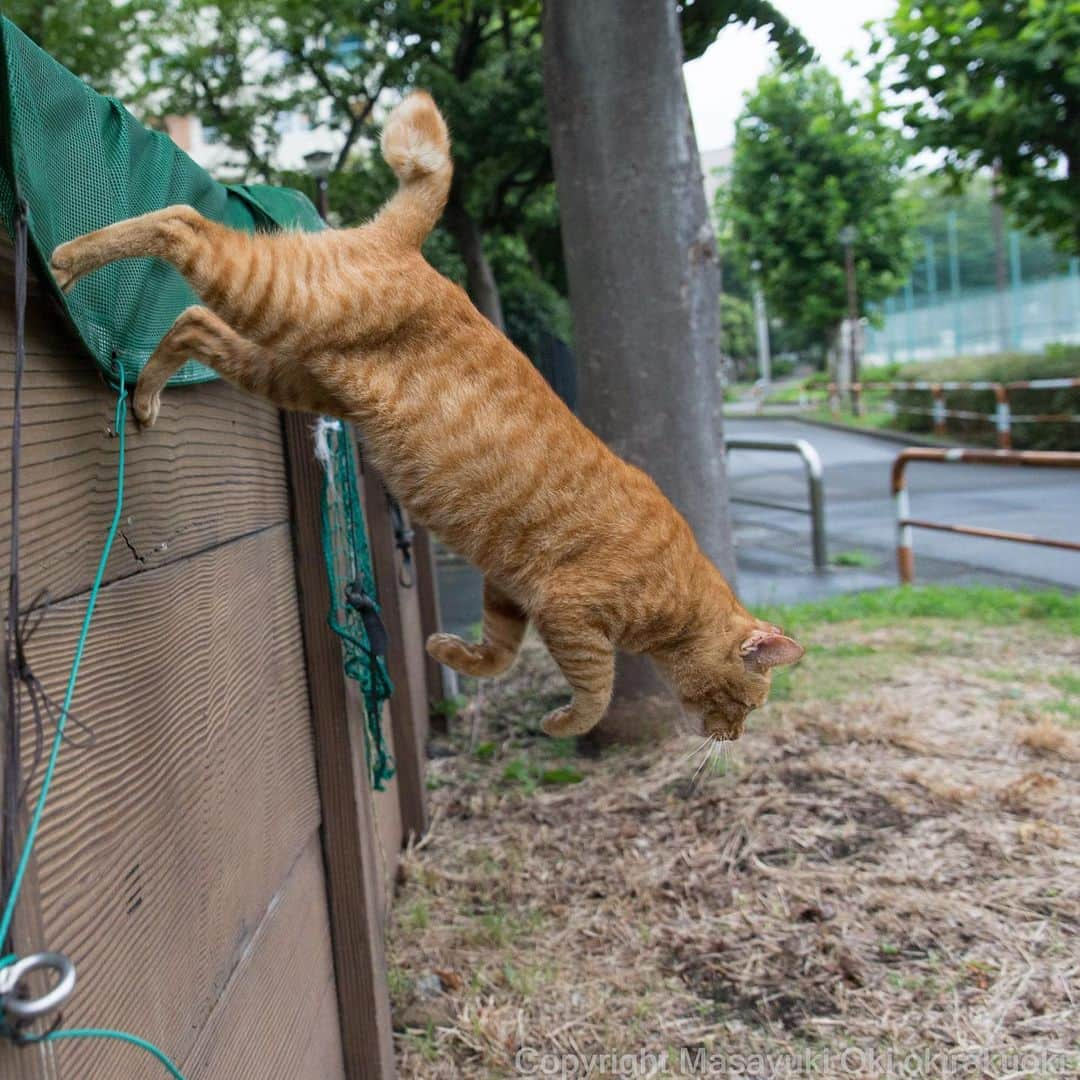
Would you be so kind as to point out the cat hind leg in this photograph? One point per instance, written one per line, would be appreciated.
(587, 659)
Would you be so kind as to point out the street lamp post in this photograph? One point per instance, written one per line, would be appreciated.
(318, 163)
(847, 238)
(761, 320)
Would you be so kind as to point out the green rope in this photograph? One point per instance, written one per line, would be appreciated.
(348, 562)
(54, 754)
(80, 647)
(119, 1036)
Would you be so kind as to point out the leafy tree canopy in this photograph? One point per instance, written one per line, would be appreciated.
(91, 37)
(996, 82)
(737, 336)
(702, 20)
(807, 164)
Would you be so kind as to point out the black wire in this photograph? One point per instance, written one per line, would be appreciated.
(13, 659)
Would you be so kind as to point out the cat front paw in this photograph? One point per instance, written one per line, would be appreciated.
(65, 265)
(565, 722)
(146, 406)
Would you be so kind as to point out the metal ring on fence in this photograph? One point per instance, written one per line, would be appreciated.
(32, 1008)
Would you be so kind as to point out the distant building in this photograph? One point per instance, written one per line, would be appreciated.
(715, 165)
(202, 143)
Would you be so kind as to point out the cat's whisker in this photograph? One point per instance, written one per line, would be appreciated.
(697, 749)
(691, 787)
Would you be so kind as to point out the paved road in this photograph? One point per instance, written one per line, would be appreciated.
(860, 516)
(773, 547)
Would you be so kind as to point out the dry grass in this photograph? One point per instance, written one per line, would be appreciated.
(890, 859)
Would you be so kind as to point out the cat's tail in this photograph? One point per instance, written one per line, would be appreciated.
(416, 145)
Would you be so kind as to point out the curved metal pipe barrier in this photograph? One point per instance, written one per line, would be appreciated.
(905, 555)
(815, 483)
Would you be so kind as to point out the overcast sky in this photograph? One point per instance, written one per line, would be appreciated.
(718, 80)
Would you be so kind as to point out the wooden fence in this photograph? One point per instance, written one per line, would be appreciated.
(213, 860)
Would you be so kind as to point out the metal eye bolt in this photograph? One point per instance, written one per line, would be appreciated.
(33, 1008)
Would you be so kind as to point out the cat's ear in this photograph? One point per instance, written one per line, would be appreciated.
(769, 648)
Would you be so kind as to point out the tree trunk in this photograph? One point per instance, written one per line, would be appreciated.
(480, 281)
(642, 267)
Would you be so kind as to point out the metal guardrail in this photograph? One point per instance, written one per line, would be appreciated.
(905, 555)
(814, 479)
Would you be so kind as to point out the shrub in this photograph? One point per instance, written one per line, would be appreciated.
(1059, 361)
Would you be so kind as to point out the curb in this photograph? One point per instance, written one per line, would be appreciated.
(901, 438)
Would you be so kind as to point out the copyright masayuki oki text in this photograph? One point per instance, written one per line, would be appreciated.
(850, 1061)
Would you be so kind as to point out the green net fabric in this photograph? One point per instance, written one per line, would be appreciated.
(77, 161)
(80, 161)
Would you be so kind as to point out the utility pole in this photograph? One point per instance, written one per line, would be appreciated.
(847, 238)
(997, 215)
(318, 163)
(761, 320)
(954, 281)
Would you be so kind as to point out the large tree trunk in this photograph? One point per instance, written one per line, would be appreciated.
(642, 268)
(480, 281)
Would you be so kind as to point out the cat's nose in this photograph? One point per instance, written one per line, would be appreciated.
(724, 726)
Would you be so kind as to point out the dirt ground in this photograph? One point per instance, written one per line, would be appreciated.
(881, 878)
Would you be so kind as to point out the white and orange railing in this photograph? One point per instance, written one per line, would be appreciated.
(905, 523)
(1003, 418)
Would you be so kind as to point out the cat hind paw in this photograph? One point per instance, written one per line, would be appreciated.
(565, 722)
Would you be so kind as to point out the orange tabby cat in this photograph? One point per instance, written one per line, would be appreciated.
(466, 433)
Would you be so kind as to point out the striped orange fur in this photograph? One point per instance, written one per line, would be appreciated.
(355, 323)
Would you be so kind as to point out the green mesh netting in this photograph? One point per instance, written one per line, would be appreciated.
(81, 161)
(78, 161)
(354, 612)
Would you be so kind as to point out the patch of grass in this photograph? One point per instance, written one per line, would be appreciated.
(1068, 682)
(449, 707)
(485, 751)
(855, 557)
(832, 674)
(1068, 710)
(980, 604)
(1005, 675)
(423, 1043)
(848, 648)
(560, 775)
(873, 419)
(417, 915)
(528, 775)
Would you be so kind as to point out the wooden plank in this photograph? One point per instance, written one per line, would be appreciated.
(211, 469)
(427, 594)
(26, 1063)
(165, 840)
(405, 657)
(277, 1016)
(349, 846)
(386, 811)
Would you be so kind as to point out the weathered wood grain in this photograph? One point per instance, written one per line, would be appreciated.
(165, 840)
(405, 657)
(211, 469)
(277, 1017)
(349, 844)
(427, 594)
(386, 812)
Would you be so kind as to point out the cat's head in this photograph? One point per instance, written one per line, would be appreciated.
(722, 678)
